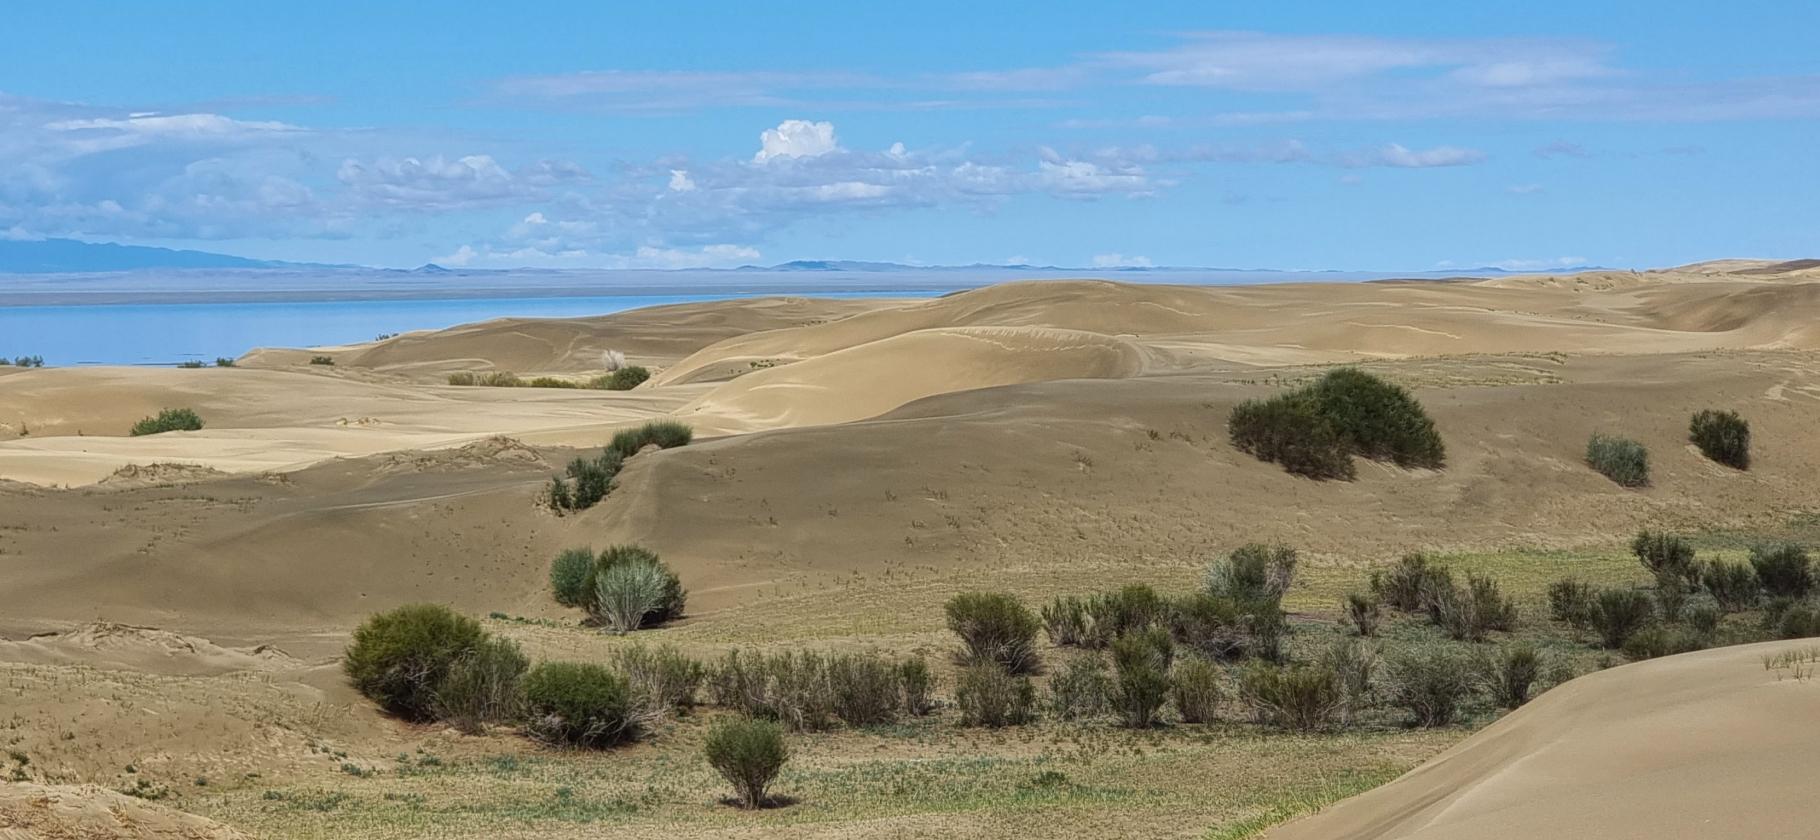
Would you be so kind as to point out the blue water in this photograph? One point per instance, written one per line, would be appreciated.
(165, 334)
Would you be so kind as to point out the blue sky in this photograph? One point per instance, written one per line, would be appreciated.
(1377, 136)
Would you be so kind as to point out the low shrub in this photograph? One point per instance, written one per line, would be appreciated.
(1509, 673)
(1081, 689)
(482, 686)
(1405, 585)
(1252, 572)
(1722, 436)
(623, 379)
(27, 361)
(463, 378)
(1430, 681)
(1704, 619)
(168, 420)
(995, 628)
(191, 364)
(400, 658)
(1662, 640)
(661, 680)
(552, 382)
(866, 687)
(1223, 628)
(1133, 608)
(1787, 619)
(572, 577)
(578, 704)
(1065, 621)
(748, 754)
(1468, 613)
(1733, 585)
(1297, 698)
(1363, 612)
(624, 593)
(1196, 689)
(988, 695)
(1783, 570)
(1289, 430)
(1141, 661)
(592, 480)
(1571, 601)
(643, 592)
(1666, 556)
(1355, 661)
(675, 598)
(666, 434)
(322, 360)
(497, 379)
(1617, 614)
(1620, 459)
(917, 684)
(223, 361)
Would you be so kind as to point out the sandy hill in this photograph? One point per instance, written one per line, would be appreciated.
(1708, 744)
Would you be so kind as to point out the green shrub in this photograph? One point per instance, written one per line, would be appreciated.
(1620, 459)
(1289, 430)
(1430, 681)
(667, 434)
(1666, 556)
(490, 379)
(552, 382)
(464, 378)
(168, 420)
(1141, 661)
(192, 364)
(748, 754)
(1065, 621)
(661, 681)
(1224, 628)
(1196, 689)
(867, 689)
(1510, 672)
(995, 628)
(577, 704)
(400, 658)
(1405, 585)
(1252, 572)
(482, 686)
(1132, 608)
(560, 497)
(322, 360)
(1363, 612)
(27, 361)
(1704, 619)
(1081, 689)
(1733, 585)
(624, 379)
(791, 688)
(1378, 419)
(1355, 661)
(1571, 601)
(1722, 436)
(675, 597)
(917, 682)
(1468, 613)
(1298, 698)
(624, 593)
(1783, 570)
(989, 695)
(1786, 619)
(593, 480)
(572, 577)
(223, 361)
(1617, 614)
(1662, 640)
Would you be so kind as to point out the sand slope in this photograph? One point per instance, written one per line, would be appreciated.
(88, 812)
(1707, 744)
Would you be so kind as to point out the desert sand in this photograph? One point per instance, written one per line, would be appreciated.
(1051, 436)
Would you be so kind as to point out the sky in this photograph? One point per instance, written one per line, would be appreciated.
(1388, 135)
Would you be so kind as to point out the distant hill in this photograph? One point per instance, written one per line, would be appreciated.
(55, 256)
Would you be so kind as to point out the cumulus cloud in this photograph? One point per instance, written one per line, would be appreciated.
(465, 183)
(796, 139)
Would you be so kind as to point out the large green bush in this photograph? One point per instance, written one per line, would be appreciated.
(1225, 628)
(1430, 681)
(995, 628)
(1783, 569)
(572, 577)
(624, 593)
(626, 587)
(1297, 698)
(624, 379)
(168, 420)
(1733, 585)
(748, 754)
(988, 695)
(1315, 430)
(578, 704)
(400, 658)
(666, 434)
(1617, 614)
(1620, 459)
(1722, 436)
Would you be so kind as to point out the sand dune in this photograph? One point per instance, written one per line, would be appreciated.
(1708, 744)
(88, 812)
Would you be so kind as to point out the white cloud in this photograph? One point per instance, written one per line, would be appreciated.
(1524, 189)
(679, 181)
(434, 183)
(1395, 155)
(1538, 265)
(462, 256)
(796, 139)
(1120, 261)
(710, 256)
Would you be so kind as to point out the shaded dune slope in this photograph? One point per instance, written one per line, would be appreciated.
(1707, 744)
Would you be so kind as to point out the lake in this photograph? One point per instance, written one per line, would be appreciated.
(168, 333)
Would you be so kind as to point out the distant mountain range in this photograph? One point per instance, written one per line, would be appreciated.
(60, 256)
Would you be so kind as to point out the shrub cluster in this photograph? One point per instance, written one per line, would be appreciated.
(1301, 697)
(168, 420)
(1620, 459)
(991, 696)
(402, 658)
(995, 629)
(623, 379)
(590, 479)
(665, 434)
(808, 691)
(579, 704)
(625, 588)
(323, 360)
(24, 361)
(1430, 681)
(1314, 431)
(1722, 436)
